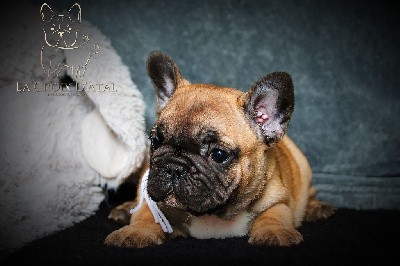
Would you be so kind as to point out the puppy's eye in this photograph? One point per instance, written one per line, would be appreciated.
(155, 142)
(219, 156)
(156, 139)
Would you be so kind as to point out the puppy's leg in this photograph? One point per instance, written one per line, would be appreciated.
(275, 226)
(142, 231)
(316, 209)
(121, 214)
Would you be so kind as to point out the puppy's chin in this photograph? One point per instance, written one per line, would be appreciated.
(173, 202)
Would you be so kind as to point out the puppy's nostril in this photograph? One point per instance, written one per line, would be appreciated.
(175, 170)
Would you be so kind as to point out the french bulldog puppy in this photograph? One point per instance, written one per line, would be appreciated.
(221, 165)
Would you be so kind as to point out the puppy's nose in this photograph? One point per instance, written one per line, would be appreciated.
(61, 33)
(175, 170)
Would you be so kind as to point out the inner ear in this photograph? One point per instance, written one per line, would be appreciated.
(265, 107)
(269, 105)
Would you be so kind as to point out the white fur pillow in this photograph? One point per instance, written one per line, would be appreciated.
(55, 150)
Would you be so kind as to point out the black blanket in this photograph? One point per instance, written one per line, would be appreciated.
(349, 236)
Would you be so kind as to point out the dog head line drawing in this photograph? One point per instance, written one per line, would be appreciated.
(61, 30)
(61, 36)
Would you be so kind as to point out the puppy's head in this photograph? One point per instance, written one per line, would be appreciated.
(210, 145)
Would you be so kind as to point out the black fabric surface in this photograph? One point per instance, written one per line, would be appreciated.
(349, 236)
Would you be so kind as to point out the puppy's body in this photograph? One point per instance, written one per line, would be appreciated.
(290, 180)
(220, 164)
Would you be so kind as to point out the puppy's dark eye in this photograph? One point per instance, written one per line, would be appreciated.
(219, 156)
(155, 142)
(156, 137)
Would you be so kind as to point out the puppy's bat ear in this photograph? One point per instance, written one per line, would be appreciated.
(75, 12)
(46, 12)
(269, 105)
(165, 76)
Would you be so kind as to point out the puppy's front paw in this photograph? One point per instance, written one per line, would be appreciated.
(275, 236)
(134, 237)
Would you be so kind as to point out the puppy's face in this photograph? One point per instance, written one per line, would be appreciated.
(209, 146)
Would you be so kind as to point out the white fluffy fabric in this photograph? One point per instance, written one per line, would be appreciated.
(49, 167)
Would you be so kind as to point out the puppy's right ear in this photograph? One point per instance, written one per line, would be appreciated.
(165, 76)
(46, 12)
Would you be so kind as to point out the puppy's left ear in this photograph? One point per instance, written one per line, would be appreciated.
(269, 105)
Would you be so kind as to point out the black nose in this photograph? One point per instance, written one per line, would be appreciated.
(174, 170)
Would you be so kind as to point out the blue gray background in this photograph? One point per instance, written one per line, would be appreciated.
(343, 57)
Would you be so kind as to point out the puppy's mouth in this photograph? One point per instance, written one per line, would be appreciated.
(194, 192)
(172, 201)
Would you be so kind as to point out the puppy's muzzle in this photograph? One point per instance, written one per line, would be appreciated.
(161, 187)
(175, 170)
